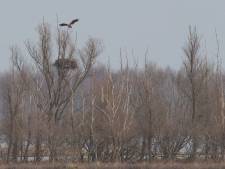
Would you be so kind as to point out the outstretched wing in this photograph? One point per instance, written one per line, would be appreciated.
(73, 21)
(63, 24)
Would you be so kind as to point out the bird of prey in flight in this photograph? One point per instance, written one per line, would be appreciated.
(69, 25)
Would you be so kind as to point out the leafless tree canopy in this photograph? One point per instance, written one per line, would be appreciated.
(58, 107)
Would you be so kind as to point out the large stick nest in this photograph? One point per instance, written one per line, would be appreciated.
(65, 63)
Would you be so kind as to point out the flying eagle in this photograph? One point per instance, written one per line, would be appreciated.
(70, 24)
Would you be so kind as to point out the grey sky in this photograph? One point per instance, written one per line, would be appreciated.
(160, 25)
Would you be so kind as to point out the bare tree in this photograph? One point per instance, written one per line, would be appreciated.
(60, 78)
(196, 76)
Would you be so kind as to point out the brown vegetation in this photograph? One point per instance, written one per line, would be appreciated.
(59, 108)
(167, 165)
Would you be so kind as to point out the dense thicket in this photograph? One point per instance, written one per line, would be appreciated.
(59, 107)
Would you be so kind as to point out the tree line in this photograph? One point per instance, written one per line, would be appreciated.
(59, 106)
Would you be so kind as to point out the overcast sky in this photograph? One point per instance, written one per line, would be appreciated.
(132, 25)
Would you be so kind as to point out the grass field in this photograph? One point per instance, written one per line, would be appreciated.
(168, 165)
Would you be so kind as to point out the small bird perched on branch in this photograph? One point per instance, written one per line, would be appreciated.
(70, 24)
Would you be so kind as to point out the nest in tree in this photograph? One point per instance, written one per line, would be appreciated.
(65, 63)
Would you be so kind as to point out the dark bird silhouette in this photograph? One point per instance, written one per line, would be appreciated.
(69, 25)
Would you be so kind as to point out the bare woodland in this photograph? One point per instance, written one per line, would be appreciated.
(60, 106)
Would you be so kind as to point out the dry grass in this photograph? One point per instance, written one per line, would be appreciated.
(168, 165)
